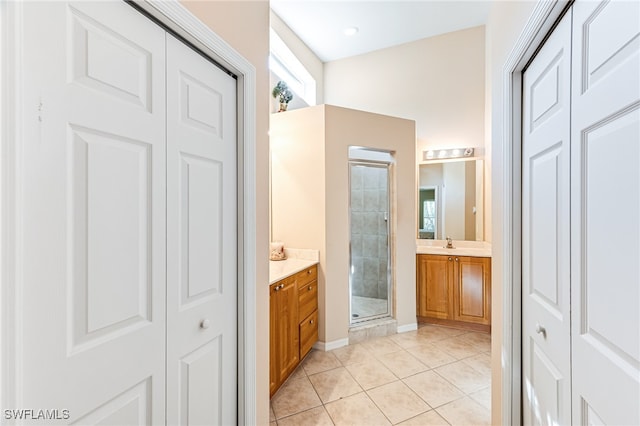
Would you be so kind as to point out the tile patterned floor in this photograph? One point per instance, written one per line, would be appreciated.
(432, 376)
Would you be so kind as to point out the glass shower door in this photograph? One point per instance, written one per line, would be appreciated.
(369, 277)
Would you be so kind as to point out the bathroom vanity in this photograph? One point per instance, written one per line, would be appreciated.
(454, 286)
(293, 295)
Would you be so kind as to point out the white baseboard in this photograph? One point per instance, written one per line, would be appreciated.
(407, 327)
(322, 346)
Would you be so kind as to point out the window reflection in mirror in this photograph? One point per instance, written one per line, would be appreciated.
(450, 199)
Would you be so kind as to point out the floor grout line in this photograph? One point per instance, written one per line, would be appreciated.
(377, 357)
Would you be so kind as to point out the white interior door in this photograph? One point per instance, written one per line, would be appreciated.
(546, 345)
(201, 240)
(605, 205)
(93, 249)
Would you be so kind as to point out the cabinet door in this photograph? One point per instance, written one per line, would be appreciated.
(308, 333)
(434, 278)
(288, 339)
(308, 299)
(273, 340)
(472, 290)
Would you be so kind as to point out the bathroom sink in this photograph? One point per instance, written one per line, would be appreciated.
(461, 248)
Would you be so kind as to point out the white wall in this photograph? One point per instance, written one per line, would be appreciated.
(304, 55)
(506, 21)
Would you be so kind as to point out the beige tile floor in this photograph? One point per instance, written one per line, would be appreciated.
(432, 376)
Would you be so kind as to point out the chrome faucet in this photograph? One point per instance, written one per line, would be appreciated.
(449, 243)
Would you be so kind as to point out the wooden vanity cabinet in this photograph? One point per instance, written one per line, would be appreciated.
(293, 323)
(454, 290)
(285, 338)
(308, 309)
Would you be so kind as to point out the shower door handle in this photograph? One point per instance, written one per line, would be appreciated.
(386, 216)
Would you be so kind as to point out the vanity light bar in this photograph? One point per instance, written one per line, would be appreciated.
(443, 154)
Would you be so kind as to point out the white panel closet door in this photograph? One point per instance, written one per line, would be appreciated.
(546, 232)
(201, 240)
(605, 205)
(93, 248)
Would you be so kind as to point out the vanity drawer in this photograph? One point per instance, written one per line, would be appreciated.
(307, 275)
(307, 299)
(308, 333)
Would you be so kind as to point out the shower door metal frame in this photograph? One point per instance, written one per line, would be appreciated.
(389, 314)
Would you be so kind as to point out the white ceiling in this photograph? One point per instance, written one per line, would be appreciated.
(320, 23)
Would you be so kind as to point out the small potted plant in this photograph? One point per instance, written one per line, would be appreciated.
(284, 95)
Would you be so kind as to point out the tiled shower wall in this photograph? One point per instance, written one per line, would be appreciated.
(369, 235)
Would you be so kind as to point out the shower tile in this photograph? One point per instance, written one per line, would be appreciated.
(371, 271)
(371, 289)
(383, 202)
(382, 225)
(382, 267)
(383, 247)
(357, 264)
(370, 178)
(380, 330)
(357, 287)
(357, 336)
(356, 200)
(382, 288)
(356, 178)
(357, 222)
(356, 277)
(370, 200)
(356, 245)
(369, 223)
(370, 246)
(382, 178)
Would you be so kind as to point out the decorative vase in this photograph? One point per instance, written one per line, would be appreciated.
(283, 106)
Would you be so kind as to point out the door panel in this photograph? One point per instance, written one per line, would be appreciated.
(605, 229)
(200, 384)
(472, 290)
(289, 333)
(93, 247)
(109, 213)
(201, 240)
(131, 407)
(545, 227)
(434, 278)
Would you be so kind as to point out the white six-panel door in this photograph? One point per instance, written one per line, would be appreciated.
(546, 347)
(605, 213)
(98, 186)
(581, 208)
(201, 240)
(93, 303)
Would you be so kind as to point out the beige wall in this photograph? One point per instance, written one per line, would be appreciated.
(436, 81)
(506, 21)
(310, 196)
(298, 188)
(439, 82)
(245, 26)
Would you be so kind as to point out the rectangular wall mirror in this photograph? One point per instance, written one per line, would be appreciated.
(450, 200)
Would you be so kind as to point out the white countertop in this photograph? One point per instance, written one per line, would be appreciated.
(296, 261)
(462, 248)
